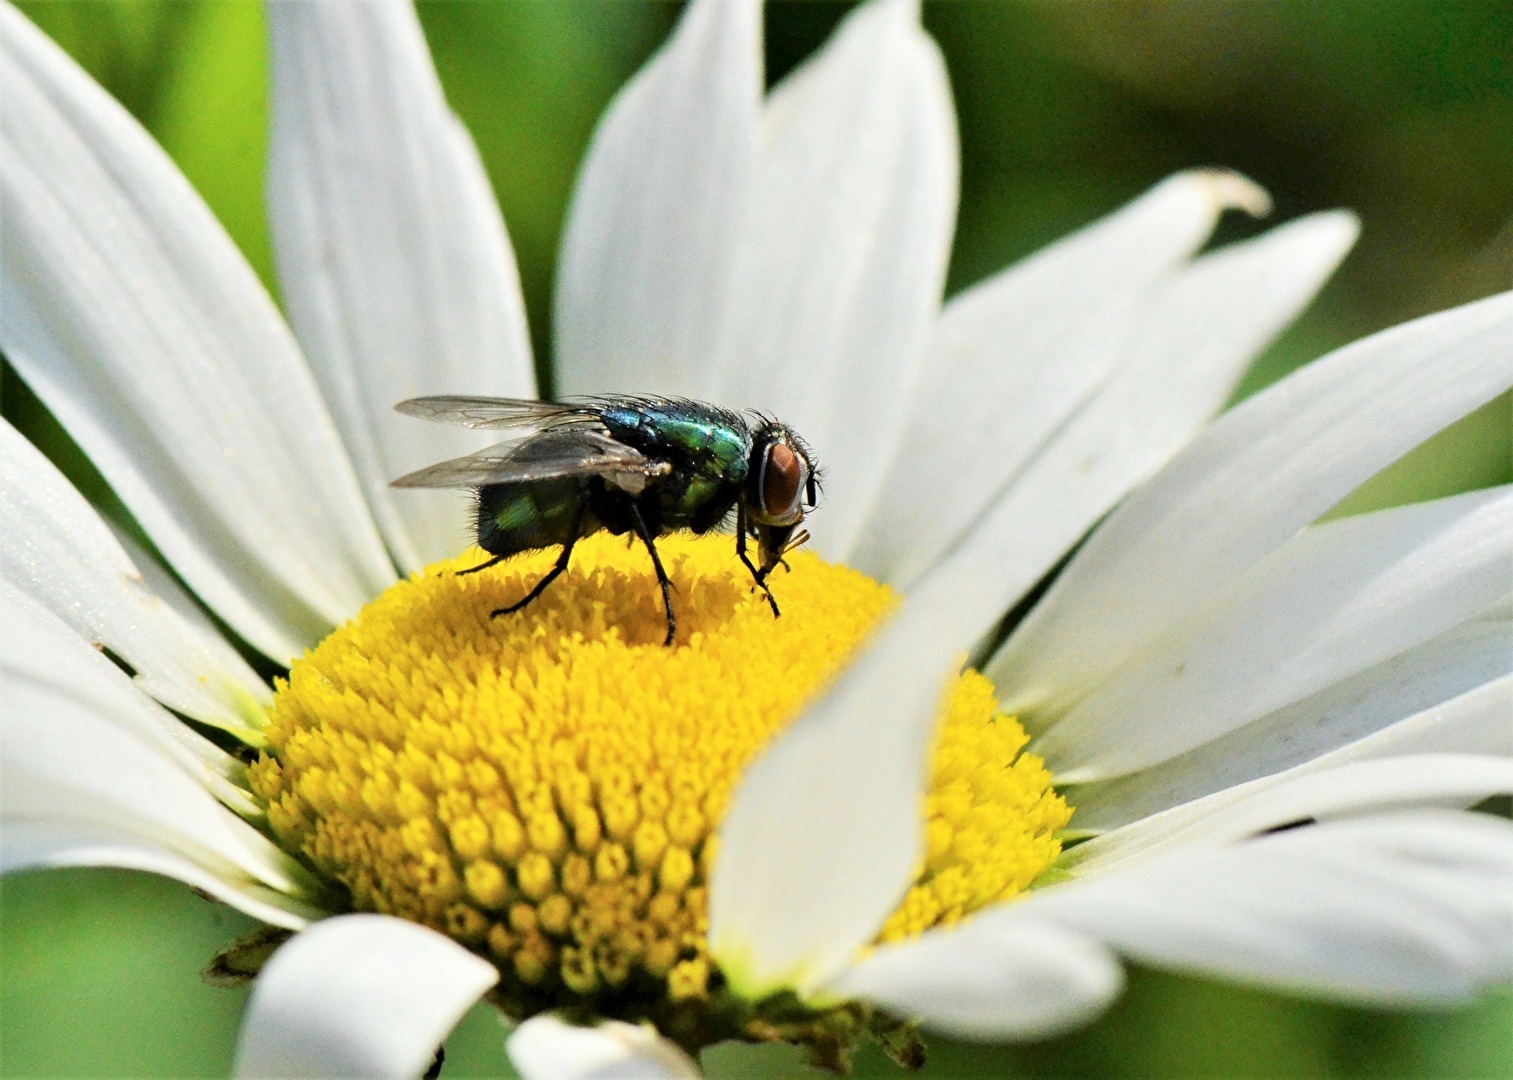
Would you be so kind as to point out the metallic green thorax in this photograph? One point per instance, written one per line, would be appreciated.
(708, 445)
(707, 449)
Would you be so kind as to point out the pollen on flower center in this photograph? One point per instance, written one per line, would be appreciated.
(545, 787)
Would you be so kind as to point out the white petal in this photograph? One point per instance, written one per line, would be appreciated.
(1451, 694)
(63, 763)
(822, 836)
(128, 310)
(159, 581)
(36, 645)
(31, 845)
(1331, 602)
(647, 253)
(1408, 909)
(843, 258)
(1167, 388)
(392, 256)
(1303, 794)
(1501, 611)
(1012, 357)
(986, 980)
(1474, 722)
(358, 996)
(545, 1048)
(1245, 485)
(55, 548)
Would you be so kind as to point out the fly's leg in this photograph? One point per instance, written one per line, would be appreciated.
(656, 561)
(540, 587)
(740, 550)
(481, 566)
(551, 575)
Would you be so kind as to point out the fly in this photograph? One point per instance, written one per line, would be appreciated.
(639, 465)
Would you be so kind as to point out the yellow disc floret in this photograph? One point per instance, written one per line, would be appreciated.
(545, 787)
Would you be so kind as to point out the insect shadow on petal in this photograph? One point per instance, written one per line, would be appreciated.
(643, 466)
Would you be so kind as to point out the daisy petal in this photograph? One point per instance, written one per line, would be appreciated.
(1474, 722)
(128, 310)
(1012, 357)
(358, 996)
(55, 548)
(392, 256)
(1452, 694)
(30, 845)
(1333, 601)
(65, 764)
(1303, 794)
(38, 646)
(821, 838)
(160, 581)
(646, 257)
(983, 980)
(1200, 331)
(1243, 486)
(843, 258)
(1405, 909)
(545, 1048)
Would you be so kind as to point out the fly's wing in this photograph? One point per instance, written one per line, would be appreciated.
(547, 456)
(491, 412)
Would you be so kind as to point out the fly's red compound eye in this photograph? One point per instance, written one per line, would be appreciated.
(781, 480)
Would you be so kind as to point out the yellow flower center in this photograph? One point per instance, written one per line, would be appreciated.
(545, 787)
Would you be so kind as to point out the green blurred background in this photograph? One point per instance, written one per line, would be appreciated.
(1400, 110)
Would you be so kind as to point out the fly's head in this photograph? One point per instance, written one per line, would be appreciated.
(782, 485)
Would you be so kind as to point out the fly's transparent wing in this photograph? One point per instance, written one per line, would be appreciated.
(491, 412)
(547, 456)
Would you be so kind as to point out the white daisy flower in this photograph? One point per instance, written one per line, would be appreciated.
(633, 851)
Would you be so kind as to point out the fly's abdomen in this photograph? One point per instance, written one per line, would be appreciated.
(523, 517)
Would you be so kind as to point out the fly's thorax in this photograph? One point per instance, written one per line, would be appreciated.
(700, 503)
(697, 439)
(705, 449)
